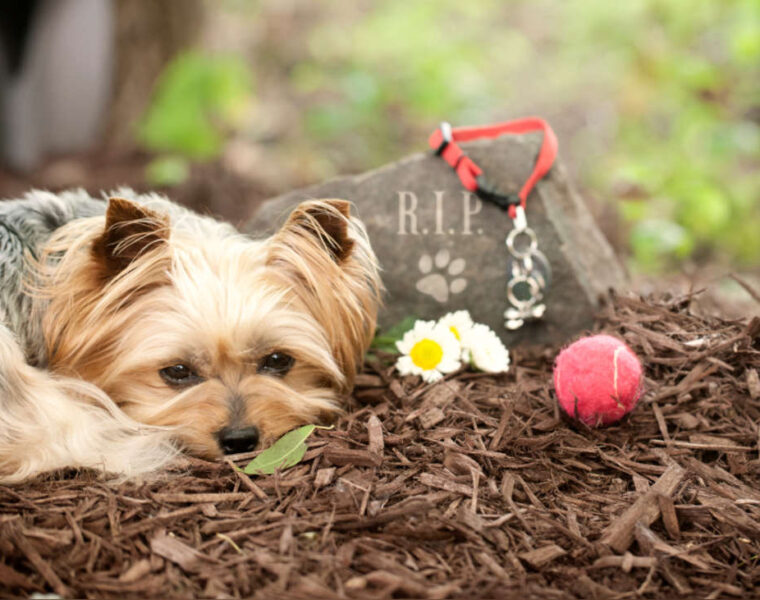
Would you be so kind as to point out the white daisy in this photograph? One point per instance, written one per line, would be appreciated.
(459, 323)
(429, 350)
(487, 353)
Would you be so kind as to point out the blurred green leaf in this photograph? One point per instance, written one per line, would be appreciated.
(656, 241)
(197, 100)
(704, 210)
(386, 340)
(167, 171)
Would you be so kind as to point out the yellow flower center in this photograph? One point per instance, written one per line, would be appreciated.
(456, 333)
(426, 354)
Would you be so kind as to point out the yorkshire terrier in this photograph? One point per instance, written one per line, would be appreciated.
(134, 329)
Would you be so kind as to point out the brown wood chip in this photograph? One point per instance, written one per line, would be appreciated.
(538, 558)
(442, 483)
(13, 579)
(43, 566)
(178, 552)
(193, 498)
(137, 571)
(669, 517)
(431, 417)
(753, 383)
(324, 477)
(347, 456)
(619, 534)
(375, 432)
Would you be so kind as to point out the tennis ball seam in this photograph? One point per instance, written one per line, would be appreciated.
(615, 356)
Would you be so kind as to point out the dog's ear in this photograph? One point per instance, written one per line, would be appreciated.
(327, 222)
(130, 230)
(323, 256)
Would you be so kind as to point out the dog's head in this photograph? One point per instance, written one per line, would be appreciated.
(230, 341)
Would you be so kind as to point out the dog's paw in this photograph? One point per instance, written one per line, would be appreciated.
(435, 281)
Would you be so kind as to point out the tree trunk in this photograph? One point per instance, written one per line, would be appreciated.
(149, 33)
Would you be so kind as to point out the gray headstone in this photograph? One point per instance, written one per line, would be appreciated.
(442, 249)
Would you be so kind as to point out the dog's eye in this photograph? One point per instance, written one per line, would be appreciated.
(180, 375)
(277, 363)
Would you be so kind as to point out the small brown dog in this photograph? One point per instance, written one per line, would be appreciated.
(132, 329)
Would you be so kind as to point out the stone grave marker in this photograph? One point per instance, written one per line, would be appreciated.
(441, 248)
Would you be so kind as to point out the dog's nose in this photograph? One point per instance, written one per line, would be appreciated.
(233, 441)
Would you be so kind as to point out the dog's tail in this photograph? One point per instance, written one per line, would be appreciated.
(48, 423)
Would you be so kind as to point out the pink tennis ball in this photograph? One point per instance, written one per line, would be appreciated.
(597, 380)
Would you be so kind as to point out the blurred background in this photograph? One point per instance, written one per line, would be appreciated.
(223, 103)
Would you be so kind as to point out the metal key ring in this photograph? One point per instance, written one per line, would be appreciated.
(534, 291)
(532, 246)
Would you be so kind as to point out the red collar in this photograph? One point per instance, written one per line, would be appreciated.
(443, 141)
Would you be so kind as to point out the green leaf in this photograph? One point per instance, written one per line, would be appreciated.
(283, 454)
(654, 241)
(167, 171)
(386, 340)
(198, 99)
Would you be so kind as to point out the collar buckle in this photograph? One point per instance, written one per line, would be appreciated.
(446, 137)
(488, 192)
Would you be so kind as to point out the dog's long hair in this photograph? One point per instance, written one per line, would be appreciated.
(265, 334)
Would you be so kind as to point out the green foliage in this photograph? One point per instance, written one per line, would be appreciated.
(283, 454)
(688, 143)
(653, 239)
(198, 100)
(657, 102)
(167, 171)
(662, 98)
(390, 70)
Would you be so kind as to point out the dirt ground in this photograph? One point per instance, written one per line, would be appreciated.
(474, 487)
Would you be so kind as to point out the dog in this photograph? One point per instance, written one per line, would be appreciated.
(132, 329)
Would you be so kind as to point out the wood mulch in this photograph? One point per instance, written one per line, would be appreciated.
(471, 488)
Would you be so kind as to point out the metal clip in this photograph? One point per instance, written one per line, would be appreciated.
(527, 282)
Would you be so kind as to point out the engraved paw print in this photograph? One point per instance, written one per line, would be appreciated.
(437, 284)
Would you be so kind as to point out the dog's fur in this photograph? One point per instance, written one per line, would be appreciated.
(97, 298)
